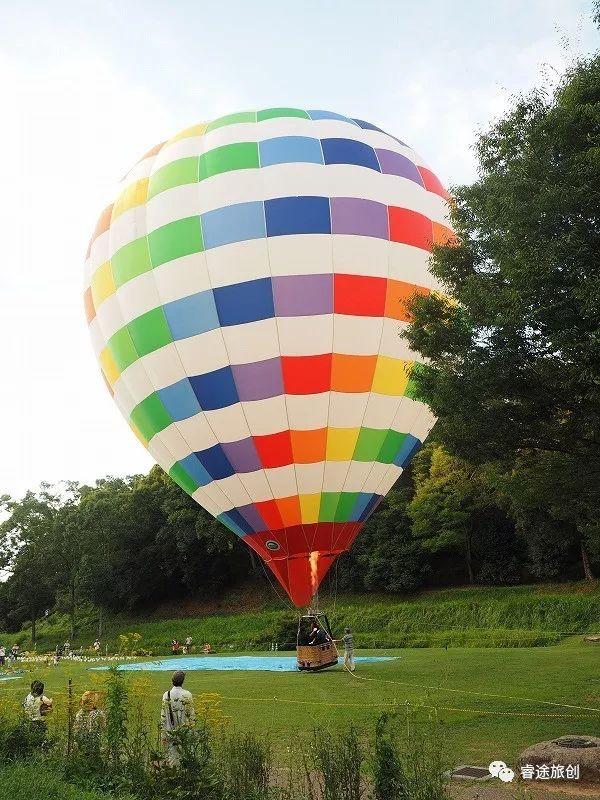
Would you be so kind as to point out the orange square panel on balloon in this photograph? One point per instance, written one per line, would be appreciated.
(410, 227)
(359, 295)
(306, 374)
(352, 373)
(443, 235)
(289, 509)
(398, 293)
(274, 449)
(308, 447)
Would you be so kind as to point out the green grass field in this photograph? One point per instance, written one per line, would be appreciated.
(492, 701)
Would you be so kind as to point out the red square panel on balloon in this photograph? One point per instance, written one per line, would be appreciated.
(432, 182)
(270, 513)
(274, 449)
(306, 374)
(359, 295)
(410, 227)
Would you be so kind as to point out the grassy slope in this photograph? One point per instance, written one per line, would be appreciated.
(492, 700)
(516, 616)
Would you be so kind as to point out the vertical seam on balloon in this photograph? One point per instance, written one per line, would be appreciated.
(251, 501)
(400, 398)
(202, 412)
(414, 422)
(261, 178)
(370, 392)
(383, 318)
(321, 498)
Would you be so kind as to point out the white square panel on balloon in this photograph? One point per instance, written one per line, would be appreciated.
(252, 341)
(229, 423)
(309, 254)
(182, 277)
(238, 262)
(266, 416)
(305, 336)
(357, 335)
(307, 412)
(203, 353)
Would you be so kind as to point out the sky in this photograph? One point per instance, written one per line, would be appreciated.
(86, 88)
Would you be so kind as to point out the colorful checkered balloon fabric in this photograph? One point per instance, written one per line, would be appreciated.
(246, 295)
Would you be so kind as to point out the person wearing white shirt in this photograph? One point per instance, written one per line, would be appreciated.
(177, 711)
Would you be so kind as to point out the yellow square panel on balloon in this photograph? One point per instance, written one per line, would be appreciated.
(109, 367)
(194, 130)
(134, 195)
(391, 375)
(103, 284)
(341, 443)
(309, 507)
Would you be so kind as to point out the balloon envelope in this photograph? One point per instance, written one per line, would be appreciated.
(246, 295)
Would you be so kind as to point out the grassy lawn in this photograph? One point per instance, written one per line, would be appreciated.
(510, 685)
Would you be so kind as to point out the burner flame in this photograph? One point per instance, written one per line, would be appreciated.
(313, 560)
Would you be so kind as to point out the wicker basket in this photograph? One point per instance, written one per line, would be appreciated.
(316, 656)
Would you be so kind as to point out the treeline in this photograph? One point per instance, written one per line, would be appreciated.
(129, 543)
(508, 490)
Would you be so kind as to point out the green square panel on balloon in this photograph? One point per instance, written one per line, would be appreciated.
(150, 331)
(177, 173)
(231, 119)
(391, 446)
(122, 349)
(329, 504)
(273, 113)
(345, 505)
(130, 261)
(150, 416)
(241, 155)
(174, 240)
(180, 476)
(368, 444)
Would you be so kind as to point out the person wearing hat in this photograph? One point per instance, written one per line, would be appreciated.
(91, 717)
(177, 712)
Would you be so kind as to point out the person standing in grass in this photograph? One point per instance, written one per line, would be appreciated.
(37, 705)
(2, 655)
(177, 714)
(348, 640)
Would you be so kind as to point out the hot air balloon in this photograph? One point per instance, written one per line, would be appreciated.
(246, 295)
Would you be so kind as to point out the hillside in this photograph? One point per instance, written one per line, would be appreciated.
(521, 616)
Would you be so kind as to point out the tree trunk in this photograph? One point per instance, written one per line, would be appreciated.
(468, 558)
(100, 622)
(72, 612)
(585, 563)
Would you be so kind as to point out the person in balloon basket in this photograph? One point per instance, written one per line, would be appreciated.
(177, 714)
(318, 635)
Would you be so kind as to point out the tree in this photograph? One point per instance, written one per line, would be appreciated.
(456, 510)
(513, 368)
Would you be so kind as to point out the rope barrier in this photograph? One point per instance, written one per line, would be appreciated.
(596, 710)
(394, 703)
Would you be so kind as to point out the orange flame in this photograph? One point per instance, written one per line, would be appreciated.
(314, 573)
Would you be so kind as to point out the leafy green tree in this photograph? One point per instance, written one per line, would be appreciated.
(455, 511)
(513, 368)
